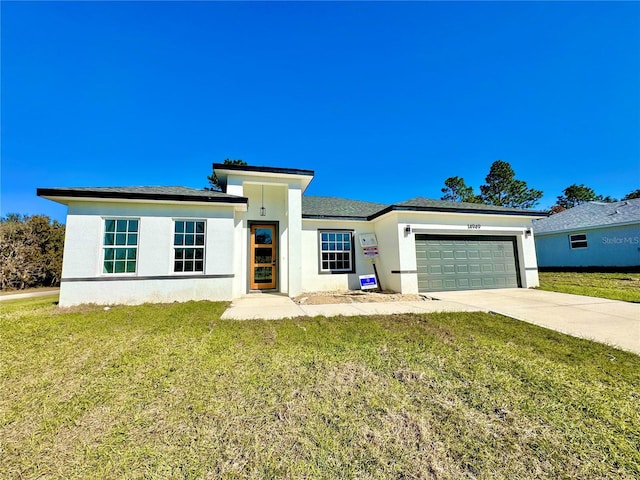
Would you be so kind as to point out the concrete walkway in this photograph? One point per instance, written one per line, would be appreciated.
(40, 293)
(607, 321)
(272, 306)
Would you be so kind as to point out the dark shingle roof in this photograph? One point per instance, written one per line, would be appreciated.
(143, 193)
(428, 204)
(590, 215)
(331, 207)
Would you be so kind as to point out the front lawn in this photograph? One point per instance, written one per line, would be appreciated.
(615, 286)
(172, 391)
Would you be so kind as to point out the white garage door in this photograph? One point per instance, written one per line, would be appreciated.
(466, 262)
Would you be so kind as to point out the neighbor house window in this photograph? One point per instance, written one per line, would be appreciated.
(188, 243)
(578, 241)
(336, 251)
(120, 245)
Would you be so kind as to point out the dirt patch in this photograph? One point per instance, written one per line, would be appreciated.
(354, 296)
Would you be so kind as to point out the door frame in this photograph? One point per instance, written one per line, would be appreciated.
(276, 226)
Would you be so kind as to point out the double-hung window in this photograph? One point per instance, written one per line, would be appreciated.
(188, 245)
(578, 240)
(120, 245)
(336, 251)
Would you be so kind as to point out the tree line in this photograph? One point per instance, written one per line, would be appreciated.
(30, 251)
(504, 190)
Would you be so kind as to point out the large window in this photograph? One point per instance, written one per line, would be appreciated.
(578, 240)
(120, 245)
(336, 251)
(188, 242)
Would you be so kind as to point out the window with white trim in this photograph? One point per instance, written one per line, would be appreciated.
(120, 245)
(579, 240)
(336, 251)
(188, 245)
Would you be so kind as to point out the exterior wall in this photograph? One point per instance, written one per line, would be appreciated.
(606, 247)
(312, 279)
(281, 203)
(154, 280)
(388, 234)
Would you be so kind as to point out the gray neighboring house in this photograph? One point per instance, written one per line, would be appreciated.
(593, 234)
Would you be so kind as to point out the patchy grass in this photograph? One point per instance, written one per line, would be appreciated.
(172, 391)
(615, 286)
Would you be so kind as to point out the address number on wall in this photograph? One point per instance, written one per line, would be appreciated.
(474, 226)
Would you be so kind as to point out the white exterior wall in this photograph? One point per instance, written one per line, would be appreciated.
(282, 199)
(388, 261)
(312, 279)
(154, 280)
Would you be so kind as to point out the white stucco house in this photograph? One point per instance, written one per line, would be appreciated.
(594, 235)
(163, 244)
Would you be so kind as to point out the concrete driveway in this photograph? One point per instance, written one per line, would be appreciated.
(607, 321)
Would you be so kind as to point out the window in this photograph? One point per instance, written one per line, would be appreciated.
(578, 241)
(188, 242)
(120, 245)
(336, 249)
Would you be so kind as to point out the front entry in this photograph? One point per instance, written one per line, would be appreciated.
(263, 257)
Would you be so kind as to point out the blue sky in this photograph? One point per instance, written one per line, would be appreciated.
(383, 100)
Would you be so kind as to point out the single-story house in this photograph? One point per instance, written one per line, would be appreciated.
(591, 235)
(164, 244)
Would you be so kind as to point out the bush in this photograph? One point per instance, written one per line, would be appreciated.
(30, 251)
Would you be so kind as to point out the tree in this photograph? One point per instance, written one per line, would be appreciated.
(632, 195)
(577, 195)
(30, 251)
(214, 183)
(503, 189)
(556, 209)
(457, 191)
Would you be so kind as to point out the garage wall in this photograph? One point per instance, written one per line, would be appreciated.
(465, 224)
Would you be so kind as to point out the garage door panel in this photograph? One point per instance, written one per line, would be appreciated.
(465, 262)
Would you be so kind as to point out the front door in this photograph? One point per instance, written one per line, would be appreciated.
(263, 257)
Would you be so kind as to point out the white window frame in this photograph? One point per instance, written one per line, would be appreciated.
(126, 246)
(185, 246)
(321, 251)
(575, 243)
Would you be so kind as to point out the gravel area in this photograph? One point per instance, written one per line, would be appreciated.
(354, 296)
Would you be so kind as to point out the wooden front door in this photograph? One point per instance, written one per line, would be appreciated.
(263, 257)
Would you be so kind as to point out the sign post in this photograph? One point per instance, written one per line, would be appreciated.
(369, 244)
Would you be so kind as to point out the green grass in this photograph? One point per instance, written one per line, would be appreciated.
(615, 286)
(172, 391)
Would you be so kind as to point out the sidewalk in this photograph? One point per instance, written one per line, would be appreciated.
(16, 296)
(272, 306)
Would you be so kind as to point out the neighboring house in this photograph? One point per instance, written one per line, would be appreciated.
(164, 244)
(593, 234)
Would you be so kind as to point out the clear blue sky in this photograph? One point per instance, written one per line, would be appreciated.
(383, 100)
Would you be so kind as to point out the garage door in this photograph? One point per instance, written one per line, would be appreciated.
(466, 262)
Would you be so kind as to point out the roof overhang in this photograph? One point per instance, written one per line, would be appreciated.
(67, 196)
(454, 210)
(223, 170)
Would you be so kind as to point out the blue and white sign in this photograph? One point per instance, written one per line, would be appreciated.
(368, 282)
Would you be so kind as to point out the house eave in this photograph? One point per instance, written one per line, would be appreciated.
(68, 196)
